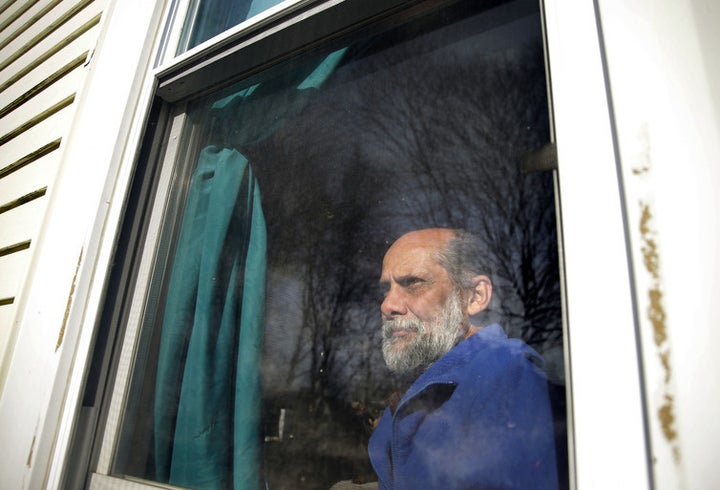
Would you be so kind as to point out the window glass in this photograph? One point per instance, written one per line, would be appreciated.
(207, 18)
(260, 361)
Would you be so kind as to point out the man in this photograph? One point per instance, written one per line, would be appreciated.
(478, 415)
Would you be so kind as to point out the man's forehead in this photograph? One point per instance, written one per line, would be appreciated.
(414, 253)
(434, 238)
(408, 258)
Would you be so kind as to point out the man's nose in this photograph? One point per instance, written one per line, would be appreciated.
(393, 305)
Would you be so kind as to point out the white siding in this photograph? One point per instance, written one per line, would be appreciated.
(89, 151)
(43, 48)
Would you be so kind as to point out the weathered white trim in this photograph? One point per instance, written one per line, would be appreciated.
(664, 74)
(57, 313)
(137, 309)
(146, 26)
(606, 414)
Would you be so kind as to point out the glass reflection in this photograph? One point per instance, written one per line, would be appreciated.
(422, 126)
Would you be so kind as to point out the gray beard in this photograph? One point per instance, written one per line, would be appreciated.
(432, 339)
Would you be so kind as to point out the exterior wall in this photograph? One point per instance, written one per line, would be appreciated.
(52, 299)
(44, 48)
(63, 180)
(664, 83)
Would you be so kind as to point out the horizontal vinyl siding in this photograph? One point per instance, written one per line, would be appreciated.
(31, 176)
(20, 223)
(6, 317)
(12, 268)
(44, 46)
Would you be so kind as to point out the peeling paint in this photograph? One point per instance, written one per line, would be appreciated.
(61, 335)
(649, 248)
(28, 463)
(656, 315)
(665, 361)
(651, 259)
(667, 418)
(666, 414)
(658, 319)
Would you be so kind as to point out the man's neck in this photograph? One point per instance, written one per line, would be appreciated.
(473, 330)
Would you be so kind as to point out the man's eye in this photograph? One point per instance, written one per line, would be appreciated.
(411, 281)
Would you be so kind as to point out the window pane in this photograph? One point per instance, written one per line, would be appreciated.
(261, 361)
(207, 18)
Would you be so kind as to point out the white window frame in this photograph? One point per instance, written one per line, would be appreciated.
(606, 407)
(609, 443)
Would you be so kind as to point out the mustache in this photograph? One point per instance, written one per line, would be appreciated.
(409, 324)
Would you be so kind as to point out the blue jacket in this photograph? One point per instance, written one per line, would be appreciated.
(479, 418)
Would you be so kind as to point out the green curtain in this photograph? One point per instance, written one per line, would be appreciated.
(207, 409)
(207, 404)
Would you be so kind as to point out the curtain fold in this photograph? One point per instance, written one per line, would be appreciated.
(207, 407)
(207, 414)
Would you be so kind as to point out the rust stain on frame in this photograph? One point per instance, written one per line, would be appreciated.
(61, 335)
(28, 463)
(656, 314)
(666, 415)
(657, 317)
(665, 361)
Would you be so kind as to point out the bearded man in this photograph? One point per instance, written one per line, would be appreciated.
(478, 413)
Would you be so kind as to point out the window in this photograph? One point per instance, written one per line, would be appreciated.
(207, 18)
(275, 174)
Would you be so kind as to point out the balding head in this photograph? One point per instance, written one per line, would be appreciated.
(425, 312)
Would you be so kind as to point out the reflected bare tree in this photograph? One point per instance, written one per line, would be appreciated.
(370, 158)
(453, 139)
(364, 163)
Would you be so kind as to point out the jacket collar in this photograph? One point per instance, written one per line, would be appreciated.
(449, 369)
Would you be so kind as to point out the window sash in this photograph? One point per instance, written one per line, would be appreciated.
(249, 49)
(182, 78)
(276, 36)
(173, 48)
(131, 334)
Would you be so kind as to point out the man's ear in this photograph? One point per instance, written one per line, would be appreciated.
(481, 295)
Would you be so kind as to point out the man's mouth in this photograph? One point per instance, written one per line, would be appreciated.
(396, 330)
(399, 334)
